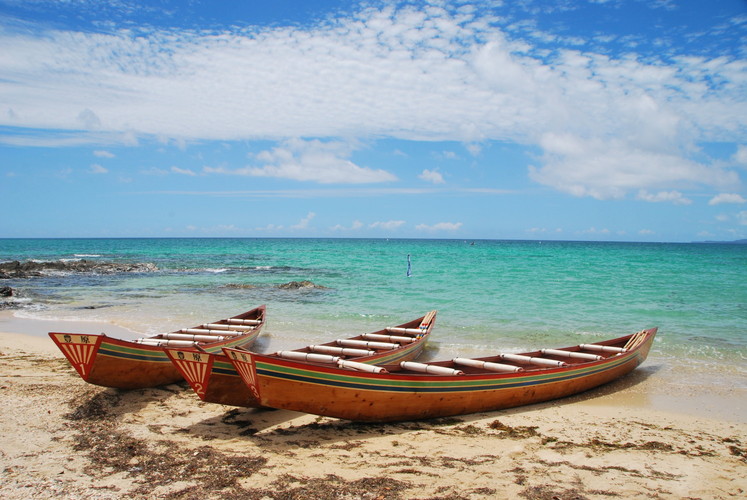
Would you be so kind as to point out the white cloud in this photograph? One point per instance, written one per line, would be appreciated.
(447, 155)
(313, 160)
(595, 231)
(304, 223)
(608, 169)
(64, 173)
(433, 176)
(460, 76)
(270, 228)
(742, 217)
(741, 155)
(664, 196)
(103, 154)
(441, 226)
(474, 149)
(353, 227)
(387, 225)
(727, 198)
(98, 169)
(183, 171)
(88, 119)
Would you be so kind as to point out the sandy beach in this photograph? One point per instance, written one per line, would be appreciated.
(65, 438)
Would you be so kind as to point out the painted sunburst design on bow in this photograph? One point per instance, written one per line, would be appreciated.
(79, 350)
(194, 366)
(245, 366)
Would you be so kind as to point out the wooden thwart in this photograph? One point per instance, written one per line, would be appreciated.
(195, 338)
(341, 351)
(411, 331)
(361, 367)
(220, 326)
(487, 365)
(426, 368)
(167, 343)
(531, 360)
(601, 348)
(308, 356)
(366, 344)
(250, 322)
(203, 331)
(571, 354)
(388, 338)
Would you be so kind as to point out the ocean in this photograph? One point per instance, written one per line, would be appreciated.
(490, 295)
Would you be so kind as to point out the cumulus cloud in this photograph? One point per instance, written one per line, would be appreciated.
(741, 155)
(664, 196)
(433, 176)
(596, 231)
(440, 226)
(608, 169)
(304, 223)
(103, 154)
(270, 228)
(183, 171)
(387, 225)
(353, 227)
(727, 198)
(312, 160)
(98, 169)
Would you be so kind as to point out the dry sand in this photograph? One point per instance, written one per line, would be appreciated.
(62, 437)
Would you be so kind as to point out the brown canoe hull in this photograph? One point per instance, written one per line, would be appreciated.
(386, 397)
(215, 380)
(123, 364)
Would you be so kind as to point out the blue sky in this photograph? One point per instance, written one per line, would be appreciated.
(565, 120)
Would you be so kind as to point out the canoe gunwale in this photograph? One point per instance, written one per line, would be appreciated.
(399, 395)
(125, 364)
(395, 370)
(212, 384)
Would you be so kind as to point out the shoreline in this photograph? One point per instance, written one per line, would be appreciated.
(64, 437)
(38, 327)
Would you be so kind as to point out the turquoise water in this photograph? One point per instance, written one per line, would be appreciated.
(491, 295)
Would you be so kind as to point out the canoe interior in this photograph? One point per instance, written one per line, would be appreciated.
(400, 394)
(126, 364)
(215, 380)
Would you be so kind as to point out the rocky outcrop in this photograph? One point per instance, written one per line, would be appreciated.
(8, 298)
(296, 285)
(29, 269)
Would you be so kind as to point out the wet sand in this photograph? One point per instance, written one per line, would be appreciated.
(63, 437)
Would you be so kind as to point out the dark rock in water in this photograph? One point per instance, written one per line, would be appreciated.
(295, 285)
(7, 299)
(239, 285)
(30, 269)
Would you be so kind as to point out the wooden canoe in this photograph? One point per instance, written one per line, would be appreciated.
(410, 391)
(215, 380)
(134, 364)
